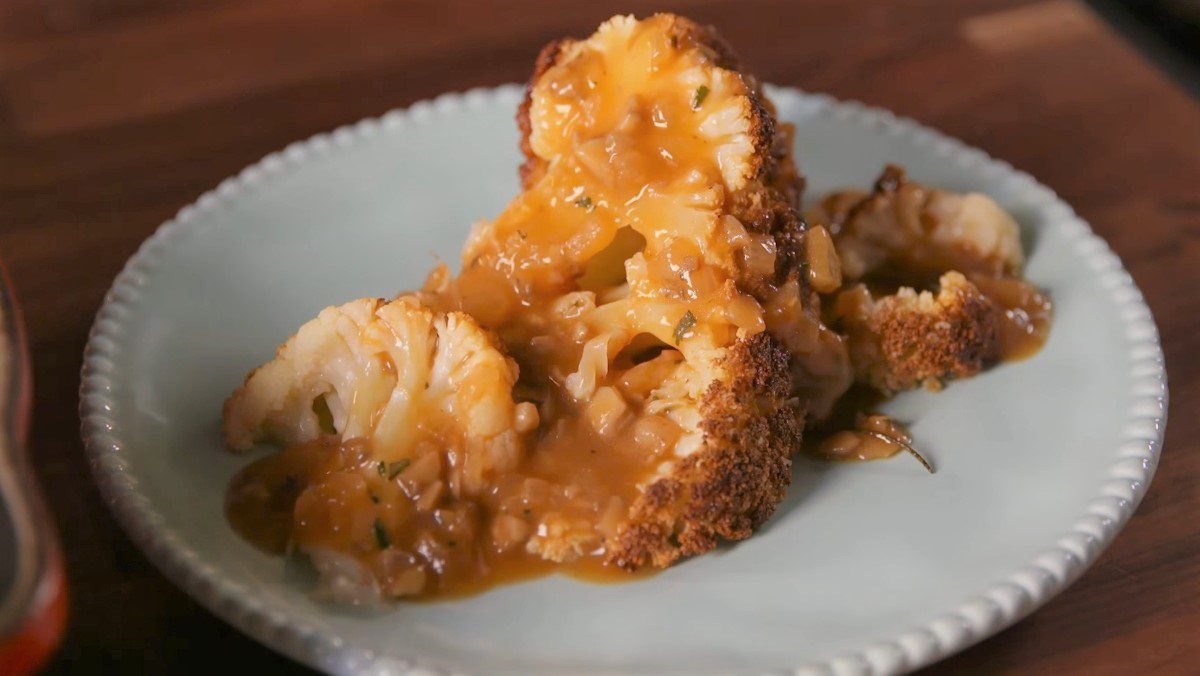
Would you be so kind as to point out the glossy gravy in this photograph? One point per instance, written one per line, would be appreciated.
(1025, 314)
(855, 432)
(401, 522)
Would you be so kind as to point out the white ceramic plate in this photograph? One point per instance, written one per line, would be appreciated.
(869, 568)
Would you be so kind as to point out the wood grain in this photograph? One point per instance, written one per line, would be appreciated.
(114, 113)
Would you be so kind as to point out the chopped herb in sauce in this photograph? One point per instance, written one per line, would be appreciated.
(381, 468)
(381, 536)
(374, 498)
(395, 468)
(699, 96)
(584, 202)
(684, 328)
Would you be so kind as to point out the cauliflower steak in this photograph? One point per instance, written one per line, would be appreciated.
(618, 376)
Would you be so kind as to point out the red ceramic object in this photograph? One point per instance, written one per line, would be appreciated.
(33, 597)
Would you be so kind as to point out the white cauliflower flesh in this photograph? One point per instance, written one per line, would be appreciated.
(383, 371)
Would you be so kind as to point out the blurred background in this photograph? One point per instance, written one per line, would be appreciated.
(1166, 31)
(115, 113)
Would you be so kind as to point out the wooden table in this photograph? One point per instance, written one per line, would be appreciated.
(113, 114)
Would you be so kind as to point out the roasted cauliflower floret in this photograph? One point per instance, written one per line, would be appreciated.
(956, 260)
(393, 374)
(911, 338)
(905, 231)
(394, 418)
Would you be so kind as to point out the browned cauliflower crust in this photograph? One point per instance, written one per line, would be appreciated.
(911, 338)
(733, 485)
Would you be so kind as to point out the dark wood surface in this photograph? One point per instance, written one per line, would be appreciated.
(115, 113)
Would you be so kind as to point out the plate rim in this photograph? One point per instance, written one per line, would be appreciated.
(982, 615)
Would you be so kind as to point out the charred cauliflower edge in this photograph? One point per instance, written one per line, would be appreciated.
(911, 338)
(735, 481)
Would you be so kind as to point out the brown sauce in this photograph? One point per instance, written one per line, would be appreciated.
(1025, 314)
(401, 523)
(876, 437)
(854, 432)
